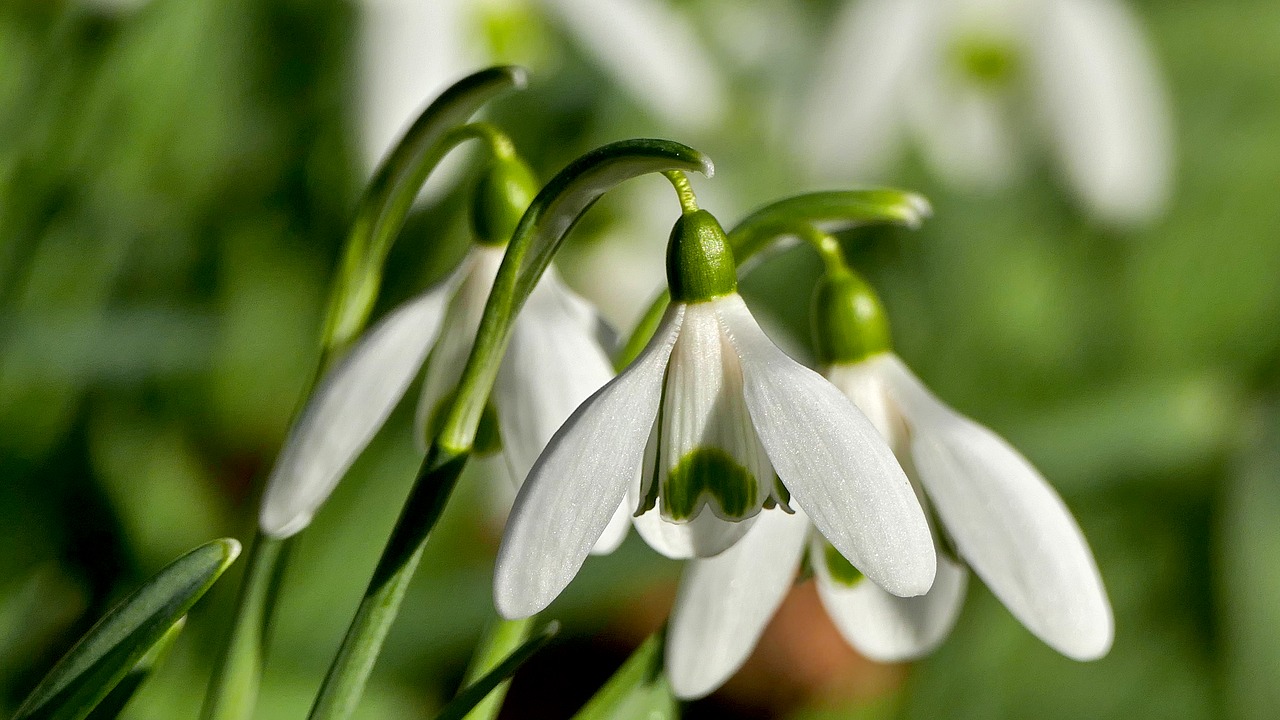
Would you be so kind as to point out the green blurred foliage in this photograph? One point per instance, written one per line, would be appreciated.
(175, 181)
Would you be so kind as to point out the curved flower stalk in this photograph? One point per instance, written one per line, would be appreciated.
(709, 430)
(411, 48)
(554, 362)
(993, 513)
(975, 81)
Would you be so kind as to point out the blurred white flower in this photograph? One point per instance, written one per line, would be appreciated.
(553, 363)
(1003, 519)
(975, 82)
(412, 49)
(710, 411)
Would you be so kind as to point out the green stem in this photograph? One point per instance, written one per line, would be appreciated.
(233, 687)
(501, 638)
(350, 670)
(539, 234)
(639, 674)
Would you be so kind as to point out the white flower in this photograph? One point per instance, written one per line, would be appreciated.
(972, 80)
(1002, 518)
(554, 361)
(692, 434)
(413, 48)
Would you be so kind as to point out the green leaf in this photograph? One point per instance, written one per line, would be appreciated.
(638, 690)
(476, 692)
(124, 636)
(390, 194)
(830, 211)
(113, 704)
(500, 639)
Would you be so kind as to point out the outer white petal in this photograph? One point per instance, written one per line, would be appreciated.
(457, 335)
(616, 531)
(347, 409)
(1007, 523)
(850, 121)
(1106, 105)
(553, 363)
(705, 536)
(725, 603)
(887, 628)
(577, 484)
(410, 50)
(654, 53)
(834, 462)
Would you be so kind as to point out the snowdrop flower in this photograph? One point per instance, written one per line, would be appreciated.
(710, 430)
(413, 48)
(554, 362)
(974, 80)
(994, 513)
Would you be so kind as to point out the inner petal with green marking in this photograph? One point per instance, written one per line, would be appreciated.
(708, 456)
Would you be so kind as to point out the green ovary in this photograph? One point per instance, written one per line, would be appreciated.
(841, 570)
(712, 473)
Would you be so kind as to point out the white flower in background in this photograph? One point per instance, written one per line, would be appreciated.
(997, 515)
(553, 362)
(710, 429)
(411, 49)
(976, 81)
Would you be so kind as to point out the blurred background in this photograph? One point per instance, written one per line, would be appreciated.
(1098, 283)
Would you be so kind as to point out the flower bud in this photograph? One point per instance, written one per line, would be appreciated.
(849, 323)
(503, 193)
(700, 265)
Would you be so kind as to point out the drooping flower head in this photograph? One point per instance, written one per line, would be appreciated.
(711, 428)
(992, 512)
(554, 361)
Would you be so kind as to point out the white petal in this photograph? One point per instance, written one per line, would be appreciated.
(885, 627)
(457, 336)
(409, 51)
(834, 462)
(651, 49)
(577, 484)
(861, 383)
(703, 411)
(851, 119)
(725, 603)
(346, 410)
(616, 531)
(553, 363)
(705, 536)
(964, 131)
(1106, 104)
(1007, 523)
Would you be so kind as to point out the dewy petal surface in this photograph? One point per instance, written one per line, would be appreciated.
(1007, 523)
(833, 461)
(457, 336)
(1107, 107)
(885, 627)
(348, 407)
(725, 602)
(577, 484)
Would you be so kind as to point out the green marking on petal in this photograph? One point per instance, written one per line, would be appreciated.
(713, 472)
(840, 569)
(990, 62)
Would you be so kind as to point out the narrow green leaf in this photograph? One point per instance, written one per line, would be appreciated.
(115, 645)
(830, 211)
(390, 194)
(113, 704)
(637, 690)
(474, 693)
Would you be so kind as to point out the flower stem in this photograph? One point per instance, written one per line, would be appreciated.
(639, 682)
(350, 669)
(233, 687)
(500, 639)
